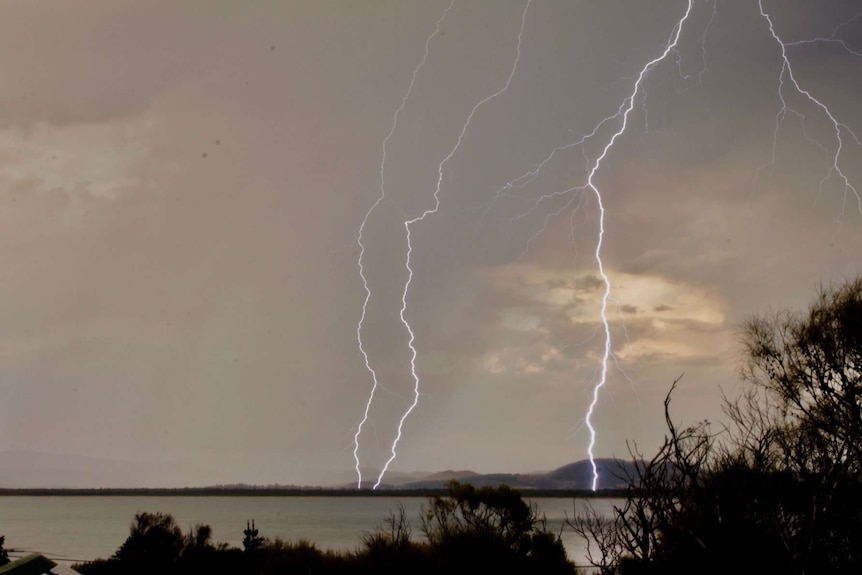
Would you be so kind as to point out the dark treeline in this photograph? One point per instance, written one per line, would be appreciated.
(468, 530)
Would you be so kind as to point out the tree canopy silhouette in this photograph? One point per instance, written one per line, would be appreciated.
(780, 490)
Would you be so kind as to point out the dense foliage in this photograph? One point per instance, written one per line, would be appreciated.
(470, 530)
(780, 491)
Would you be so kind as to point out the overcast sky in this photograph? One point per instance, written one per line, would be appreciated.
(182, 186)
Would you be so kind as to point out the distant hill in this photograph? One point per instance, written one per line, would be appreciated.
(447, 475)
(613, 474)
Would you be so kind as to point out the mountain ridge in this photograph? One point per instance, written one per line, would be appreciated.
(613, 474)
(33, 470)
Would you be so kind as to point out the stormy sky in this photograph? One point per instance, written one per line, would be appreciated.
(182, 186)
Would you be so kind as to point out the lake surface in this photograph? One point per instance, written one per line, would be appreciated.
(70, 528)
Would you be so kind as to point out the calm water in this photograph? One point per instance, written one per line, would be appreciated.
(83, 528)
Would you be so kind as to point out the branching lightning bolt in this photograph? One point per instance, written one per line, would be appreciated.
(422, 217)
(623, 112)
(787, 71)
(832, 38)
(380, 198)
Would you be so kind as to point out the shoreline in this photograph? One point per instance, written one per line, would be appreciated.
(287, 492)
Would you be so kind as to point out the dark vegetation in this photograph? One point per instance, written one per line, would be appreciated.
(780, 489)
(4, 554)
(466, 531)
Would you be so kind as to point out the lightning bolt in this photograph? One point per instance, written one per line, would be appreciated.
(787, 72)
(380, 198)
(425, 214)
(622, 115)
(623, 111)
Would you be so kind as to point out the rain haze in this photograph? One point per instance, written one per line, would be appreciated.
(182, 187)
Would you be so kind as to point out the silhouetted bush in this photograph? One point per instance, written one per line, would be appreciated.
(156, 544)
(491, 529)
(390, 549)
(155, 541)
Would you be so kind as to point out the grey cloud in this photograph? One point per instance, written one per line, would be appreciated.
(590, 283)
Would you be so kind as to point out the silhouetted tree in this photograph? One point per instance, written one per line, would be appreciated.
(810, 366)
(4, 555)
(154, 539)
(782, 486)
(652, 524)
(393, 535)
(491, 528)
(252, 539)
